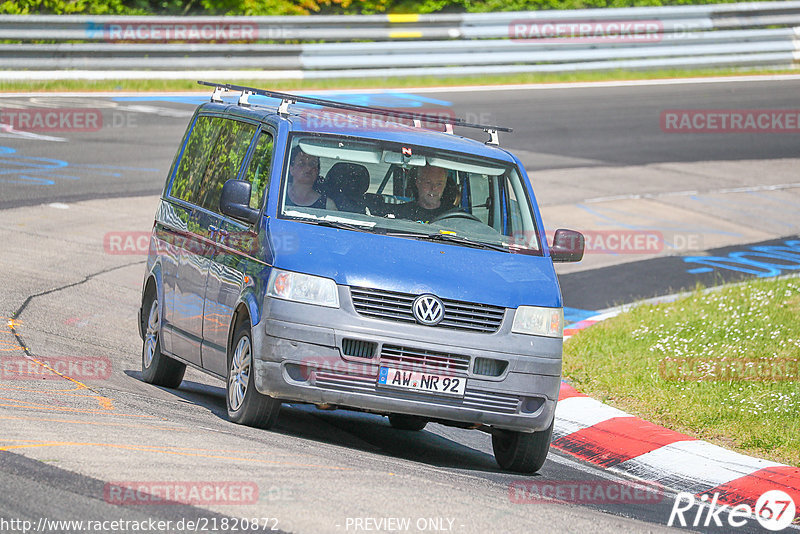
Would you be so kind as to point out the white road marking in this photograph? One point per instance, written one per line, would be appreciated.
(577, 413)
(160, 111)
(747, 189)
(6, 130)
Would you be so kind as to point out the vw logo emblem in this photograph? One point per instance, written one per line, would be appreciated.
(428, 310)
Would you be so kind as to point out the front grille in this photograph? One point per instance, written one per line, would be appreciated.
(344, 382)
(395, 306)
(428, 361)
(491, 401)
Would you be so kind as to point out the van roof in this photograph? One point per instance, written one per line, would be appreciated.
(316, 115)
(303, 118)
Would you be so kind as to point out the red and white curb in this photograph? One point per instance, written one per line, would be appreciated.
(622, 443)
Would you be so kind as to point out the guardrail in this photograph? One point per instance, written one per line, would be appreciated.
(738, 34)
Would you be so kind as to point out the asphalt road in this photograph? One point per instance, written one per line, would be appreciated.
(317, 471)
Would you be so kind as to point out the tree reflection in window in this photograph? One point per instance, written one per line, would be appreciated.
(195, 159)
(225, 160)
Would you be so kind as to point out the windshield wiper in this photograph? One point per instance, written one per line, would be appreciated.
(450, 238)
(339, 224)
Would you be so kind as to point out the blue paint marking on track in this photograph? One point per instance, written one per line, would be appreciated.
(30, 170)
(195, 100)
(575, 315)
(791, 203)
(26, 170)
(761, 261)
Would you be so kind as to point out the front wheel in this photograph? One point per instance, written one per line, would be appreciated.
(519, 451)
(246, 406)
(157, 368)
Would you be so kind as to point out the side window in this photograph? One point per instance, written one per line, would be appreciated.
(225, 159)
(259, 169)
(195, 159)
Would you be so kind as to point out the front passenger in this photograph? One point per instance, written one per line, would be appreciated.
(304, 172)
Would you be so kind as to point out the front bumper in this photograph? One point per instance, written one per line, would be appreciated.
(297, 360)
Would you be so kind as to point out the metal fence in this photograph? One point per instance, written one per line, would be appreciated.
(756, 34)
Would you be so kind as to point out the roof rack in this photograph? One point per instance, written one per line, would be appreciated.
(287, 99)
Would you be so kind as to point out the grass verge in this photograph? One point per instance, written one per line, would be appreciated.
(723, 366)
(375, 83)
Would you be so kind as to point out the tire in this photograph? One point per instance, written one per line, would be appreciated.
(407, 422)
(246, 406)
(157, 368)
(521, 452)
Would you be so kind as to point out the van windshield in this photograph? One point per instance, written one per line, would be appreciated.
(409, 191)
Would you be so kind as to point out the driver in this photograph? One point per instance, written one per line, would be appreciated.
(431, 182)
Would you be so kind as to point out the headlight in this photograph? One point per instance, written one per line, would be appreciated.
(539, 321)
(305, 288)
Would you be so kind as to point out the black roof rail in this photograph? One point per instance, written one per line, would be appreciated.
(291, 99)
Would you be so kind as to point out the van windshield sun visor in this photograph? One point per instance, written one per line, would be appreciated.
(465, 167)
(356, 152)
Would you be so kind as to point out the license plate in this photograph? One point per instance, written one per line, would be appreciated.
(425, 382)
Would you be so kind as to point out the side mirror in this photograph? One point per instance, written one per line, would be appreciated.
(567, 246)
(235, 201)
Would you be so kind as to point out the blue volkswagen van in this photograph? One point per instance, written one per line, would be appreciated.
(347, 257)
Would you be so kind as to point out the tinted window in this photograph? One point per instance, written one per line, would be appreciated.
(259, 169)
(226, 158)
(214, 154)
(195, 159)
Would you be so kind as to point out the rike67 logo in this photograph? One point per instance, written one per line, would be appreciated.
(774, 510)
